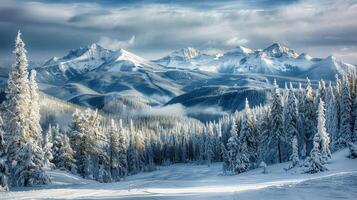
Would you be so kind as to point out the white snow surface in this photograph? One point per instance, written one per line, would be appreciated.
(190, 181)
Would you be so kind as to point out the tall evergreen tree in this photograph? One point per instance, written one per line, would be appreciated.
(291, 120)
(331, 115)
(294, 158)
(309, 114)
(23, 127)
(277, 137)
(47, 148)
(34, 111)
(322, 136)
(232, 147)
(66, 159)
(345, 133)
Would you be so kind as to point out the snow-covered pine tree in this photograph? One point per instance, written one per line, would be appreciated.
(320, 152)
(88, 149)
(232, 147)
(66, 159)
(314, 162)
(294, 158)
(57, 145)
(291, 120)
(34, 111)
(345, 133)
(251, 135)
(300, 96)
(47, 148)
(23, 124)
(309, 116)
(123, 148)
(17, 94)
(247, 142)
(28, 171)
(321, 91)
(331, 116)
(322, 136)
(4, 172)
(277, 136)
(209, 154)
(264, 128)
(117, 152)
(225, 158)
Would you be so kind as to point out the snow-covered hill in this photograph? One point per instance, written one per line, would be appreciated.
(190, 181)
(274, 60)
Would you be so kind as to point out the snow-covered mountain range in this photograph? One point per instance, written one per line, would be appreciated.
(274, 60)
(93, 76)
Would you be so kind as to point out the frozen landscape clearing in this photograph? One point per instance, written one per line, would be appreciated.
(189, 181)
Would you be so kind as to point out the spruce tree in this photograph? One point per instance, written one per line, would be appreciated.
(117, 152)
(277, 137)
(47, 148)
(320, 152)
(4, 172)
(331, 116)
(232, 147)
(23, 125)
(294, 158)
(34, 111)
(345, 133)
(66, 159)
(309, 114)
(291, 120)
(322, 137)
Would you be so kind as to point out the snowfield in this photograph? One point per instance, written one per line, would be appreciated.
(190, 181)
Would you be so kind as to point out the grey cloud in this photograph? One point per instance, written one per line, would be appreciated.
(322, 28)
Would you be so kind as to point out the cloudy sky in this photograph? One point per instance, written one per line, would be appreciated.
(154, 28)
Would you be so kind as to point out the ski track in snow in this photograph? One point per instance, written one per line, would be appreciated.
(190, 181)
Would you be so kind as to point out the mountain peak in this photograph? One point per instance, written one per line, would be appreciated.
(278, 50)
(187, 53)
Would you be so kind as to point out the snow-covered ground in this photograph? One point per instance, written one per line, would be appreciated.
(189, 181)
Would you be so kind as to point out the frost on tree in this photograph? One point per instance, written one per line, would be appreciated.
(34, 111)
(332, 116)
(4, 172)
(290, 121)
(294, 158)
(232, 147)
(28, 172)
(309, 115)
(345, 134)
(277, 137)
(47, 148)
(87, 136)
(117, 151)
(353, 150)
(25, 155)
(247, 144)
(64, 154)
(320, 152)
(314, 163)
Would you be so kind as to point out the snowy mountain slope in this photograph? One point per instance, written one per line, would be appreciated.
(274, 60)
(189, 58)
(82, 60)
(190, 181)
(93, 76)
(228, 91)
